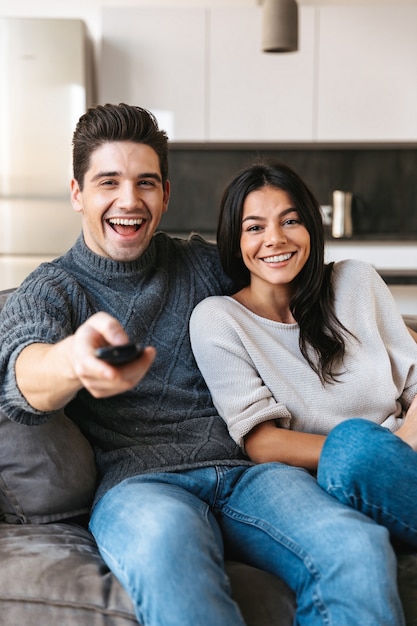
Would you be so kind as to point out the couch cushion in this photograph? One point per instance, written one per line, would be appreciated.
(4, 294)
(52, 575)
(47, 472)
(407, 584)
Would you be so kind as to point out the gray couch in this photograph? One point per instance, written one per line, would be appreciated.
(51, 573)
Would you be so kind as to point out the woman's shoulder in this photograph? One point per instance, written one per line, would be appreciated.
(357, 281)
(355, 270)
(216, 314)
(213, 306)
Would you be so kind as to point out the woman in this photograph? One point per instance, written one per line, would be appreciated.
(310, 364)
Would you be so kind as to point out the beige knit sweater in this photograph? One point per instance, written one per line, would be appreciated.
(255, 370)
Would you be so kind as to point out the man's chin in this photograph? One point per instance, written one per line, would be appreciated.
(126, 256)
(117, 249)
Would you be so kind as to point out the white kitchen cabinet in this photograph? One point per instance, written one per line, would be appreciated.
(202, 71)
(253, 95)
(367, 80)
(156, 58)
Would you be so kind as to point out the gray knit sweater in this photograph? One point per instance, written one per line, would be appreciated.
(168, 421)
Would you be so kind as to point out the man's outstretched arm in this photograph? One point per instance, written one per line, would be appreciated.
(49, 375)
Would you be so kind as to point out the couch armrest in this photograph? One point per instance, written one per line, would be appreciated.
(411, 321)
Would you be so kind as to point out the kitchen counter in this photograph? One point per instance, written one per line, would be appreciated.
(377, 238)
(392, 258)
(396, 262)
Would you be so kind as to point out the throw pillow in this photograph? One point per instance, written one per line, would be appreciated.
(47, 472)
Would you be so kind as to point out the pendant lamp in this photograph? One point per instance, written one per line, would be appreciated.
(280, 26)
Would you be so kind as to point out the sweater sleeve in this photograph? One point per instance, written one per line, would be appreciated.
(238, 392)
(37, 312)
(380, 315)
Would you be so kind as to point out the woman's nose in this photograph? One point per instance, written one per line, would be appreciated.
(274, 236)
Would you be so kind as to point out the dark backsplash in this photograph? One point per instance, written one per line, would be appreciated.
(383, 180)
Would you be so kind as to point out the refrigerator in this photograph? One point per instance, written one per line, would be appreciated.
(45, 76)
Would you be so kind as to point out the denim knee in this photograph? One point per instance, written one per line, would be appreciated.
(165, 547)
(352, 456)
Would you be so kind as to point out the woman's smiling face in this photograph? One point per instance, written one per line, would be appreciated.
(274, 243)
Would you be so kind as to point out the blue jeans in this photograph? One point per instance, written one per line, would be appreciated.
(370, 469)
(163, 536)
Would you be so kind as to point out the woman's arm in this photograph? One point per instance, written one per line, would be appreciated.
(267, 442)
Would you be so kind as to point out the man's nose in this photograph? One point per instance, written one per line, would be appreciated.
(130, 195)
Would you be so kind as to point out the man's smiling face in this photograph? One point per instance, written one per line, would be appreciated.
(122, 199)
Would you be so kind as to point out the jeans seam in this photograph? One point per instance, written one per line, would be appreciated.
(355, 502)
(121, 573)
(290, 545)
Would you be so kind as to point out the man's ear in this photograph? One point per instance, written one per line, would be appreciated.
(76, 196)
(167, 193)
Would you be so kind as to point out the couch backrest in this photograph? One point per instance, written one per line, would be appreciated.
(4, 295)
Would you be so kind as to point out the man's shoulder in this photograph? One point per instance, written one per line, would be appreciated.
(198, 258)
(194, 250)
(47, 280)
(185, 244)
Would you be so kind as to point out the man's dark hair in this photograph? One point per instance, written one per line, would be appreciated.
(116, 122)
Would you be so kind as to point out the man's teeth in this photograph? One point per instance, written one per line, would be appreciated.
(278, 258)
(118, 221)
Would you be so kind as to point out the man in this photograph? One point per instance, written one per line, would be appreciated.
(174, 488)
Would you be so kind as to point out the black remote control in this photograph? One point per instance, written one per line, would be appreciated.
(119, 355)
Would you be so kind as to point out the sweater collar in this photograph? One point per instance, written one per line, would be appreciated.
(107, 268)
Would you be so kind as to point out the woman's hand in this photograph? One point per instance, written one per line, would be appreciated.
(408, 430)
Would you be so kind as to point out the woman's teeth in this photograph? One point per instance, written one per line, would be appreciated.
(278, 258)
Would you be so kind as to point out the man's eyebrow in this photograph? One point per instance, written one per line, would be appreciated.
(115, 173)
(153, 175)
(105, 175)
